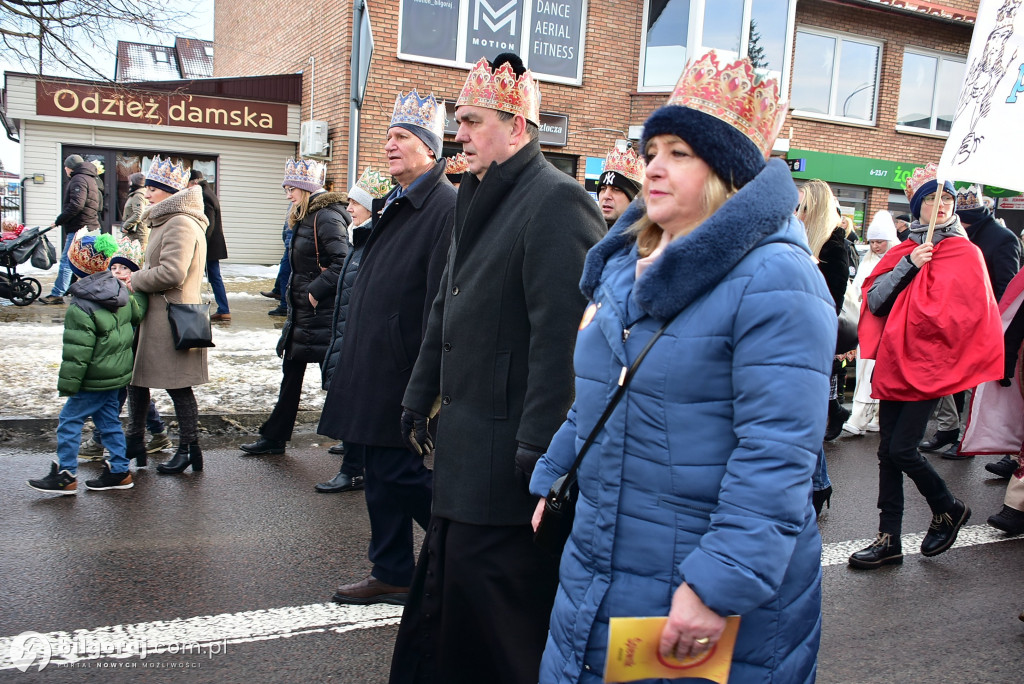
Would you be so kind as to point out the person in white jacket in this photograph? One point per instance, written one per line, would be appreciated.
(881, 235)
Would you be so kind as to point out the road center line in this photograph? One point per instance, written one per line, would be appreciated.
(207, 635)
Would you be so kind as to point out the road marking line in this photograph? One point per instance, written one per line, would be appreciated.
(838, 553)
(207, 635)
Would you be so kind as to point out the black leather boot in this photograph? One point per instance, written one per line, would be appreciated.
(186, 455)
(884, 550)
(837, 415)
(944, 528)
(941, 439)
(135, 447)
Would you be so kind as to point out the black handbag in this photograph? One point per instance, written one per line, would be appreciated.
(190, 325)
(44, 255)
(560, 505)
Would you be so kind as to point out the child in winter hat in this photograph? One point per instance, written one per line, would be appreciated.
(90, 253)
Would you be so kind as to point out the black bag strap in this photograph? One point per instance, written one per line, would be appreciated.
(624, 379)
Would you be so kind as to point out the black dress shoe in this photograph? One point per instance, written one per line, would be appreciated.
(371, 590)
(338, 449)
(885, 550)
(1009, 520)
(264, 446)
(273, 294)
(342, 482)
(279, 311)
(1004, 467)
(953, 454)
(942, 438)
(944, 528)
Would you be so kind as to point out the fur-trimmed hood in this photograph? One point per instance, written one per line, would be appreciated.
(326, 199)
(759, 213)
(188, 201)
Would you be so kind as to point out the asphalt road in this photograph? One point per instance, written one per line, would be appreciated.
(226, 576)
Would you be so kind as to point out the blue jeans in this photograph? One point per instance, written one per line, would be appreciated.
(819, 480)
(217, 285)
(63, 282)
(154, 423)
(103, 408)
(284, 272)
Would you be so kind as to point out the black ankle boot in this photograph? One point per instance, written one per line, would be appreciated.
(885, 550)
(821, 498)
(135, 447)
(186, 455)
(837, 415)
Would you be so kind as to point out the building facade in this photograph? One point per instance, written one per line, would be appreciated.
(238, 132)
(872, 84)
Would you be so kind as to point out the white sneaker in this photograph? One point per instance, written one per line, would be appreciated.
(872, 427)
(852, 429)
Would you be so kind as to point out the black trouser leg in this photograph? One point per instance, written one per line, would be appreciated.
(282, 419)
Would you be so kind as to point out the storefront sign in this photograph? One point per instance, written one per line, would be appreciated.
(554, 128)
(102, 103)
(875, 173)
(1016, 203)
(547, 34)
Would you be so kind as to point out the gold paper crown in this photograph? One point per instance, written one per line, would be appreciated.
(164, 172)
(425, 112)
(375, 183)
(627, 163)
(457, 163)
(501, 90)
(921, 175)
(734, 94)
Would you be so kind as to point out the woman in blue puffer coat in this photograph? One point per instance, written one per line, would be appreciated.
(695, 499)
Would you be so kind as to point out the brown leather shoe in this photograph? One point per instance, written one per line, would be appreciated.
(220, 317)
(371, 590)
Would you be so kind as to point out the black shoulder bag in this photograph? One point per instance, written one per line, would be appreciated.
(190, 325)
(560, 505)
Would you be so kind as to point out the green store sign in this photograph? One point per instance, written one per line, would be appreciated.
(876, 173)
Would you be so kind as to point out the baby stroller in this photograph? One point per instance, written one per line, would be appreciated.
(20, 290)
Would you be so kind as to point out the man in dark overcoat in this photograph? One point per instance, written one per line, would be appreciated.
(216, 247)
(399, 273)
(80, 208)
(497, 358)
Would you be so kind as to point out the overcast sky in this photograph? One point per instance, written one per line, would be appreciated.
(201, 26)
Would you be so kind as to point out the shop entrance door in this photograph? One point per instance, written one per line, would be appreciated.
(106, 179)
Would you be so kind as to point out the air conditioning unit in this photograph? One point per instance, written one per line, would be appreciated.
(313, 139)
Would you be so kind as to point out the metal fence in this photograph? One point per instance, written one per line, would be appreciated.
(10, 209)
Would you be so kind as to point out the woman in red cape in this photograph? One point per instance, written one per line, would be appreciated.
(930, 321)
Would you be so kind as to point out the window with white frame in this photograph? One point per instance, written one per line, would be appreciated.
(929, 90)
(681, 30)
(835, 76)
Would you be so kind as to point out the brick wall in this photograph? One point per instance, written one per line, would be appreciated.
(260, 36)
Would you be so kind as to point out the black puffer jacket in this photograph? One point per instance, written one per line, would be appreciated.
(307, 331)
(349, 270)
(216, 248)
(834, 264)
(81, 205)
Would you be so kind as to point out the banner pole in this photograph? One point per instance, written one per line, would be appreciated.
(935, 209)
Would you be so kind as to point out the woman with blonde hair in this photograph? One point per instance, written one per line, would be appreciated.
(695, 499)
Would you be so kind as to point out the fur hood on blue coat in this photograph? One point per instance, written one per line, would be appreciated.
(693, 264)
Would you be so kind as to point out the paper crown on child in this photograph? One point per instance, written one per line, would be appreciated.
(624, 170)
(304, 174)
(129, 253)
(166, 176)
(499, 88)
(729, 114)
(923, 182)
(370, 186)
(456, 164)
(422, 116)
(90, 252)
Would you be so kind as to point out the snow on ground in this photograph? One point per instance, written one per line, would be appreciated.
(245, 372)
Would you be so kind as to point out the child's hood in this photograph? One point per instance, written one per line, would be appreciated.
(99, 290)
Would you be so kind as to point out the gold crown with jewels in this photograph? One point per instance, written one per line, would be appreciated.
(627, 163)
(457, 163)
(304, 173)
(921, 175)
(500, 89)
(735, 94)
(375, 183)
(425, 112)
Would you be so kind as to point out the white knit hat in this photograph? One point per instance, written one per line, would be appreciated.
(882, 227)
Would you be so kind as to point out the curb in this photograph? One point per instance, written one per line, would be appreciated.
(211, 421)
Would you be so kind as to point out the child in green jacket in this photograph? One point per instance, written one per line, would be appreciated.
(97, 362)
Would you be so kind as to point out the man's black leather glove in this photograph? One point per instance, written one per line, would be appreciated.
(415, 433)
(527, 456)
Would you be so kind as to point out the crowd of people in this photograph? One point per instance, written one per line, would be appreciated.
(501, 326)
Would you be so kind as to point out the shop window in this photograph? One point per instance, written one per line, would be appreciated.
(929, 89)
(679, 30)
(835, 76)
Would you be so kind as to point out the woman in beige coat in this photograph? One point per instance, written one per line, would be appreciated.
(175, 258)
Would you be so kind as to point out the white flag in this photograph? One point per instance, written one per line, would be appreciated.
(986, 141)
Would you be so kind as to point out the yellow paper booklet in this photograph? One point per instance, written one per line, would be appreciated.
(633, 653)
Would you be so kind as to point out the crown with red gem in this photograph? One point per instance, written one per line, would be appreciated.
(921, 175)
(425, 112)
(627, 163)
(457, 163)
(736, 95)
(500, 89)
